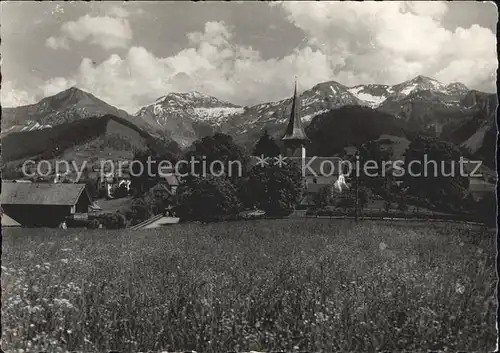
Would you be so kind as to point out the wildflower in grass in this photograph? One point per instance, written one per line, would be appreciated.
(63, 303)
(436, 325)
(382, 246)
(64, 261)
(459, 288)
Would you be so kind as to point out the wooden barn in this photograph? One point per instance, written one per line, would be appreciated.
(43, 204)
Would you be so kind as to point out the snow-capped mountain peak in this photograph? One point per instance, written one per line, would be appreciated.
(182, 114)
(419, 83)
(193, 105)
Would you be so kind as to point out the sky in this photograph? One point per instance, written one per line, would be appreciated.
(129, 54)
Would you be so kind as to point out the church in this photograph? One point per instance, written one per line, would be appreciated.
(315, 170)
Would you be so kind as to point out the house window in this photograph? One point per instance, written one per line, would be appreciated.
(315, 180)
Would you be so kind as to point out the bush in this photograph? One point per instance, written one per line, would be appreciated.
(274, 189)
(158, 199)
(139, 211)
(113, 220)
(93, 224)
(209, 198)
(402, 206)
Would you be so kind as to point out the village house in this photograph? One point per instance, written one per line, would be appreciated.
(111, 180)
(44, 204)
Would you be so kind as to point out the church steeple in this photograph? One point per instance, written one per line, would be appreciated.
(295, 135)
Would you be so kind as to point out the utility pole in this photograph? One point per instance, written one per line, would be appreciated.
(357, 189)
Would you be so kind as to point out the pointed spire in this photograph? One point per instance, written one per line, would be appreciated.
(294, 131)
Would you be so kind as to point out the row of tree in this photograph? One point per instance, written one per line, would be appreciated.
(237, 186)
(277, 190)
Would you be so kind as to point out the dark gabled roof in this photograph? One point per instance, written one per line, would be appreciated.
(63, 194)
(294, 131)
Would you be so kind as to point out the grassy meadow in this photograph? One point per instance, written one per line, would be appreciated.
(294, 285)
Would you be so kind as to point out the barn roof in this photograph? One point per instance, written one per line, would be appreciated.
(64, 194)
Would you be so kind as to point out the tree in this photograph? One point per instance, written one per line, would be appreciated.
(138, 211)
(266, 146)
(324, 197)
(486, 209)
(274, 189)
(145, 169)
(217, 155)
(139, 180)
(113, 220)
(158, 199)
(207, 198)
(432, 172)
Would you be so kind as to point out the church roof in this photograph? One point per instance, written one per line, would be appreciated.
(294, 130)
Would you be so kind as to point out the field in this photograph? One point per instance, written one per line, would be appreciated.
(294, 285)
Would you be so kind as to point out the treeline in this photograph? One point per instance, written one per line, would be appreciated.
(231, 186)
(431, 178)
(223, 192)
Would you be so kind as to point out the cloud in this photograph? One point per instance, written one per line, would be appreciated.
(118, 11)
(57, 43)
(110, 31)
(350, 42)
(11, 96)
(434, 9)
(56, 85)
(387, 42)
(212, 64)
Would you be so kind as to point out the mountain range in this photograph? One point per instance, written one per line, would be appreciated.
(450, 111)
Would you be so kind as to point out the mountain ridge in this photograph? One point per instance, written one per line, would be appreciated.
(422, 102)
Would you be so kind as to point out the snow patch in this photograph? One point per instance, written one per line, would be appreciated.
(409, 89)
(158, 109)
(355, 90)
(309, 117)
(217, 113)
(32, 126)
(371, 100)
